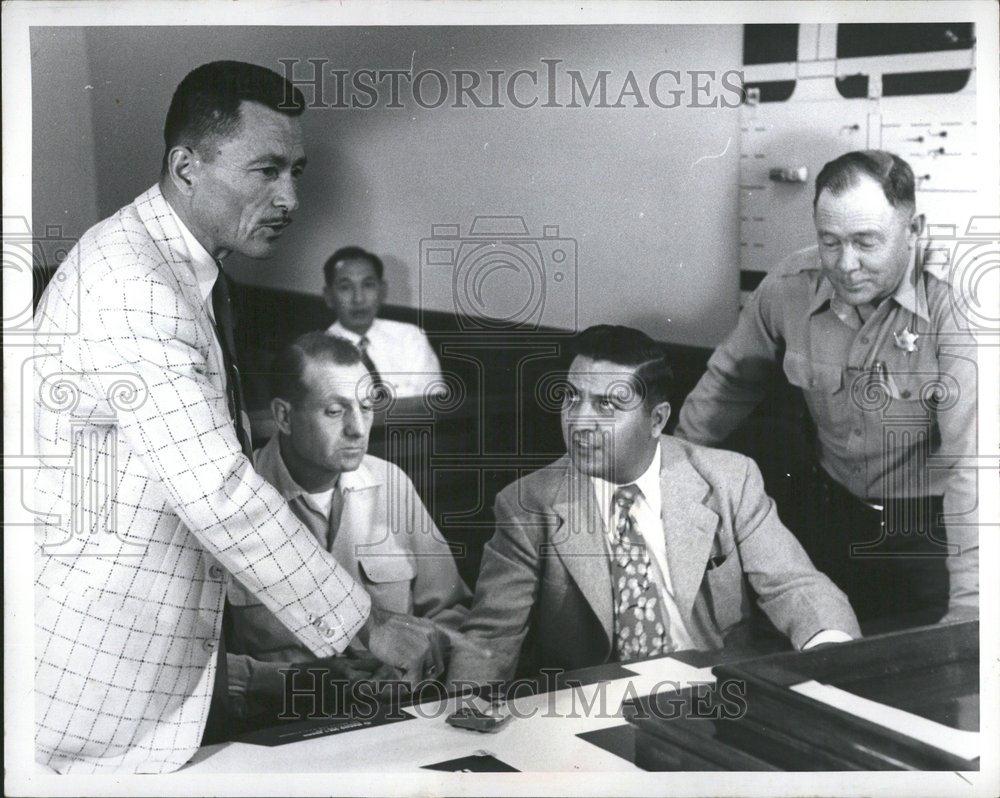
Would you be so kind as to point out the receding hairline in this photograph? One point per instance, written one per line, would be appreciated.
(314, 361)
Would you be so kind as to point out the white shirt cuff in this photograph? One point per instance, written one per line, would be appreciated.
(827, 636)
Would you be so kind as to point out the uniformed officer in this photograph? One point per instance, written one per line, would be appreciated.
(865, 326)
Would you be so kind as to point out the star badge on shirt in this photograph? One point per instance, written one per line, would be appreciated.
(906, 340)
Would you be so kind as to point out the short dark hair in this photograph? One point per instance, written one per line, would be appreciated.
(207, 102)
(627, 346)
(290, 363)
(350, 253)
(890, 171)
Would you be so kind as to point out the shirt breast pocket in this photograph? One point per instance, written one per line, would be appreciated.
(813, 377)
(822, 386)
(389, 580)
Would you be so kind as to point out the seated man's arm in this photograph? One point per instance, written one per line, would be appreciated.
(737, 374)
(800, 601)
(266, 690)
(506, 592)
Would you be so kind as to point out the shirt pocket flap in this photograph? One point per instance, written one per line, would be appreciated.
(809, 376)
(387, 569)
(909, 385)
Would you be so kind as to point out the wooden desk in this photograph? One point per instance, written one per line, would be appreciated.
(542, 737)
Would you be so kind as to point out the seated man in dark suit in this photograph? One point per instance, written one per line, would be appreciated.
(635, 543)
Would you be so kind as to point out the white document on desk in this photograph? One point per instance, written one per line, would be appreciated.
(955, 741)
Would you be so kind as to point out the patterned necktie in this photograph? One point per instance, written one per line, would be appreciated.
(639, 616)
(377, 383)
(224, 326)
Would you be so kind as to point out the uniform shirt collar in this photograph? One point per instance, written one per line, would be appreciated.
(910, 294)
(648, 483)
(205, 267)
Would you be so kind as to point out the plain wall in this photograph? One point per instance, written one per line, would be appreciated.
(649, 194)
(64, 170)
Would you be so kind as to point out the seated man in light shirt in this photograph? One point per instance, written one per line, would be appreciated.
(396, 353)
(363, 510)
(636, 544)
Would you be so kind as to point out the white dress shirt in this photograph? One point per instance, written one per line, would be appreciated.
(402, 354)
(647, 512)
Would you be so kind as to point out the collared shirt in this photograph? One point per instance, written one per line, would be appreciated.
(401, 353)
(386, 541)
(893, 413)
(206, 272)
(646, 510)
(320, 503)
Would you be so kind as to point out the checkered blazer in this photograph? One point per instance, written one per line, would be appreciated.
(147, 508)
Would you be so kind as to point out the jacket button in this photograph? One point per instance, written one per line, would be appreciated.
(216, 572)
(208, 645)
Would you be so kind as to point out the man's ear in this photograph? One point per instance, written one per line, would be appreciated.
(329, 298)
(383, 290)
(281, 409)
(182, 167)
(659, 417)
(916, 227)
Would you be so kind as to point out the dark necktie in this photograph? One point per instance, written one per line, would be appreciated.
(640, 619)
(217, 724)
(224, 326)
(377, 382)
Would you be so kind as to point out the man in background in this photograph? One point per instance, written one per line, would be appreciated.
(864, 325)
(635, 544)
(396, 353)
(361, 509)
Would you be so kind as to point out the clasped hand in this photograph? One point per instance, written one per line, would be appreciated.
(416, 646)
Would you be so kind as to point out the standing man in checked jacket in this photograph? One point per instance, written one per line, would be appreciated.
(149, 504)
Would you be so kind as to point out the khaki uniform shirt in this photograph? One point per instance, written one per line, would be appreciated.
(892, 419)
(385, 540)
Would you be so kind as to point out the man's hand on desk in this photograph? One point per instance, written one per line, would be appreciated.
(416, 646)
(413, 645)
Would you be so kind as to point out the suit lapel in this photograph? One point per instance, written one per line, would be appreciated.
(158, 219)
(579, 542)
(688, 525)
